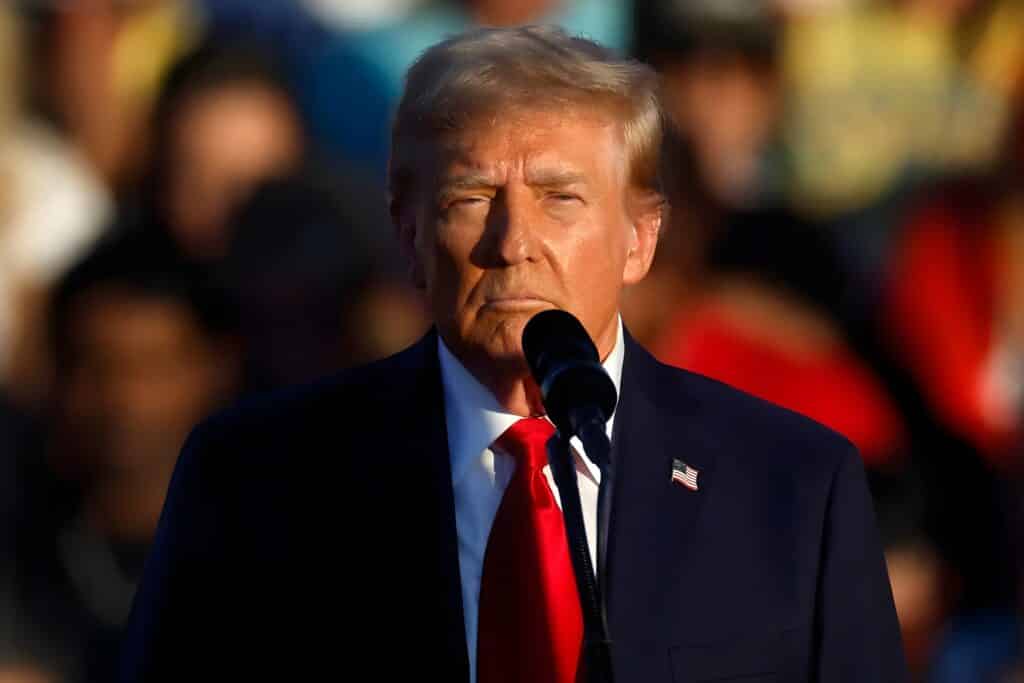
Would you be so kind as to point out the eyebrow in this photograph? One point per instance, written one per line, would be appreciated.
(554, 178)
(467, 181)
(538, 178)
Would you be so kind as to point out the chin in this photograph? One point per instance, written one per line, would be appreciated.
(506, 354)
(498, 342)
(492, 337)
(506, 336)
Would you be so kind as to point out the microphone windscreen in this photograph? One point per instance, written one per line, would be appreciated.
(565, 364)
(556, 335)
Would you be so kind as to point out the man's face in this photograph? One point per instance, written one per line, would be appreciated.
(525, 213)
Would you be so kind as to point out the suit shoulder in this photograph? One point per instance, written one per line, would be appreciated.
(748, 426)
(260, 422)
(762, 415)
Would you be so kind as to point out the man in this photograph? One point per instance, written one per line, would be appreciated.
(397, 521)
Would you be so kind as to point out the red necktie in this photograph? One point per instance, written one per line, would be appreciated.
(530, 626)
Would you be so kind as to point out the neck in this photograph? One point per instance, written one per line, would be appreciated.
(511, 384)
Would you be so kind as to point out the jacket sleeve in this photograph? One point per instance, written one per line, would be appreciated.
(171, 630)
(856, 631)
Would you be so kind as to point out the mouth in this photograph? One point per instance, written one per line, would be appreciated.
(515, 303)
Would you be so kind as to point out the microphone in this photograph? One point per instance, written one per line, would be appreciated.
(579, 397)
(577, 393)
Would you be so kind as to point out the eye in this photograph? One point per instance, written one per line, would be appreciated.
(564, 197)
(468, 202)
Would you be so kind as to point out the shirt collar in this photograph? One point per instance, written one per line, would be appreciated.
(475, 419)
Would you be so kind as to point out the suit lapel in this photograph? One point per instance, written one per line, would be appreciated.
(652, 518)
(419, 410)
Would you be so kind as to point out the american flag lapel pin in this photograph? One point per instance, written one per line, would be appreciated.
(684, 474)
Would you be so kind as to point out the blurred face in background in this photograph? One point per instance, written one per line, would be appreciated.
(527, 212)
(727, 106)
(142, 373)
(223, 144)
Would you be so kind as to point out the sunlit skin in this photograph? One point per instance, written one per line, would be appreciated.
(521, 213)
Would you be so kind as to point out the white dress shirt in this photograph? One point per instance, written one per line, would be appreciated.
(474, 420)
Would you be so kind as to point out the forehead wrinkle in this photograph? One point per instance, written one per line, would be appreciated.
(517, 149)
(459, 156)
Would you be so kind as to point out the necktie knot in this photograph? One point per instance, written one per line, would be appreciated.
(527, 440)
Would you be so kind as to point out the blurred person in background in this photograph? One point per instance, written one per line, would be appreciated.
(766, 320)
(144, 348)
(103, 64)
(884, 95)
(952, 315)
(720, 76)
(313, 290)
(768, 325)
(718, 64)
(955, 303)
(224, 122)
(351, 90)
(52, 207)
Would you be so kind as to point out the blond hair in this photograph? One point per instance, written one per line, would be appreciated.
(487, 69)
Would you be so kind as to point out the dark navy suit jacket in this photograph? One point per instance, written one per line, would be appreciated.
(313, 535)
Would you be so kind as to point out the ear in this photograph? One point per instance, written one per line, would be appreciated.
(646, 213)
(405, 221)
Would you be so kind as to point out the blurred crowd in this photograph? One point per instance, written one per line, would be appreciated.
(193, 209)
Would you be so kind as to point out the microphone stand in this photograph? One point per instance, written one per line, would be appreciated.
(597, 658)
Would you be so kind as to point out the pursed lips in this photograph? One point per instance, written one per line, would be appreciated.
(517, 301)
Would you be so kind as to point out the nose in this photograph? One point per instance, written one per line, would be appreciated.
(508, 237)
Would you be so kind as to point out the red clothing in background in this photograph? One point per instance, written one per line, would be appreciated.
(941, 316)
(834, 388)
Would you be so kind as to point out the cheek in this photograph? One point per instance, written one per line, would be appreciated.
(444, 255)
(595, 268)
(601, 253)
